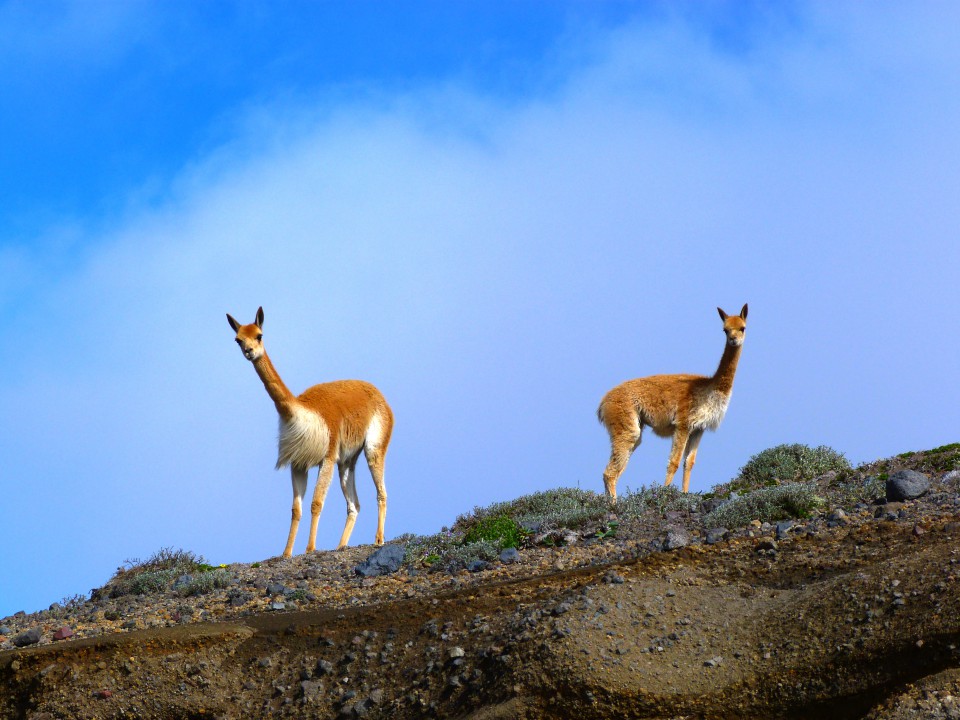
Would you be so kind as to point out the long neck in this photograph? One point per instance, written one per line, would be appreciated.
(723, 378)
(278, 392)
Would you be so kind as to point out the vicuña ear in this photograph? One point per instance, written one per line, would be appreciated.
(743, 313)
(723, 315)
(233, 323)
(260, 318)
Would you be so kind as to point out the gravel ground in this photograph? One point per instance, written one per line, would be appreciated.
(844, 614)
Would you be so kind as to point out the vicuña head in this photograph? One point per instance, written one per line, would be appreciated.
(328, 424)
(677, 406)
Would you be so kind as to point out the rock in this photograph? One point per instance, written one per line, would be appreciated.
(477, 565)
(382, 561)
(613, 578)
(906, 485)
(783, 528)
(711, 504)
(275, 588)
(29, 637)
(766, 544)
(713, 662)
(456, 652)
(676, 538)
(4, 630)
(311, 690)
(951, 477)
(324, 667)
(63, 633)
(510, 555)
(715, 535)
(278, 606)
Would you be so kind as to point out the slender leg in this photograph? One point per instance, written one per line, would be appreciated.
(299, 478)
(319, 495)
(348, 483)
(622, 445)
(680, 436)
(690, 453)
(376, 459)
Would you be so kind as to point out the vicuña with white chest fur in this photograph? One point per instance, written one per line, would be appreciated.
(677, 406)
(328, 424)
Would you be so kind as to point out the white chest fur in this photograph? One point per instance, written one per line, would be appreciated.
(709, 410)
(303, 441)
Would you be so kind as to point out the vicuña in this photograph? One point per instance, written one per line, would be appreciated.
(328, 424)
(678, 406)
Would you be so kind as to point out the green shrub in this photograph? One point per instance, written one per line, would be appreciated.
(499, 530)
(205, 581)
(769, 504)
(786, 464)
(158, 572)
(659, 499)
(549, 510)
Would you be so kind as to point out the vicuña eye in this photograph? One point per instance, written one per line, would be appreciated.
(259, 338)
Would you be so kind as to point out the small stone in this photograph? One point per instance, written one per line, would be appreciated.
(766, 545)
(311, 689)
(383, 561)
(509, 555)
(477, 565)
(324, 667)
(278, 606)
(714, 661)
(613, 578)
(63, 633)
(676, 538)
(715, 535)
(29, 637)
(275, 588)
(783, 528)
(456, 652)
(918, 530)
(907, 485)
(4, 630)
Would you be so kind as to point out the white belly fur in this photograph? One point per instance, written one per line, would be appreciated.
(303, 440)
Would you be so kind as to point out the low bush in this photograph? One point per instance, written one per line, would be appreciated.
(158, 573)
(768, 504)
(785, 464)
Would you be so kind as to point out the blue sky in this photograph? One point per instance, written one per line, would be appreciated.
(493, 211)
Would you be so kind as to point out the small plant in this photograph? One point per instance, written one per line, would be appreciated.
(785, 464)
(769, 504)
(499, 530)
(659, 499)
(609, 530)
(158, 573)
(204, 582)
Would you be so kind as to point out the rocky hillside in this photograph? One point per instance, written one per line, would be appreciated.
(832, 596)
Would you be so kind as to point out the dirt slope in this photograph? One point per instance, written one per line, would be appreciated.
(849, 613)
(838, 623)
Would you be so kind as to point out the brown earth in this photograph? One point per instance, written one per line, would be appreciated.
(856, 618)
